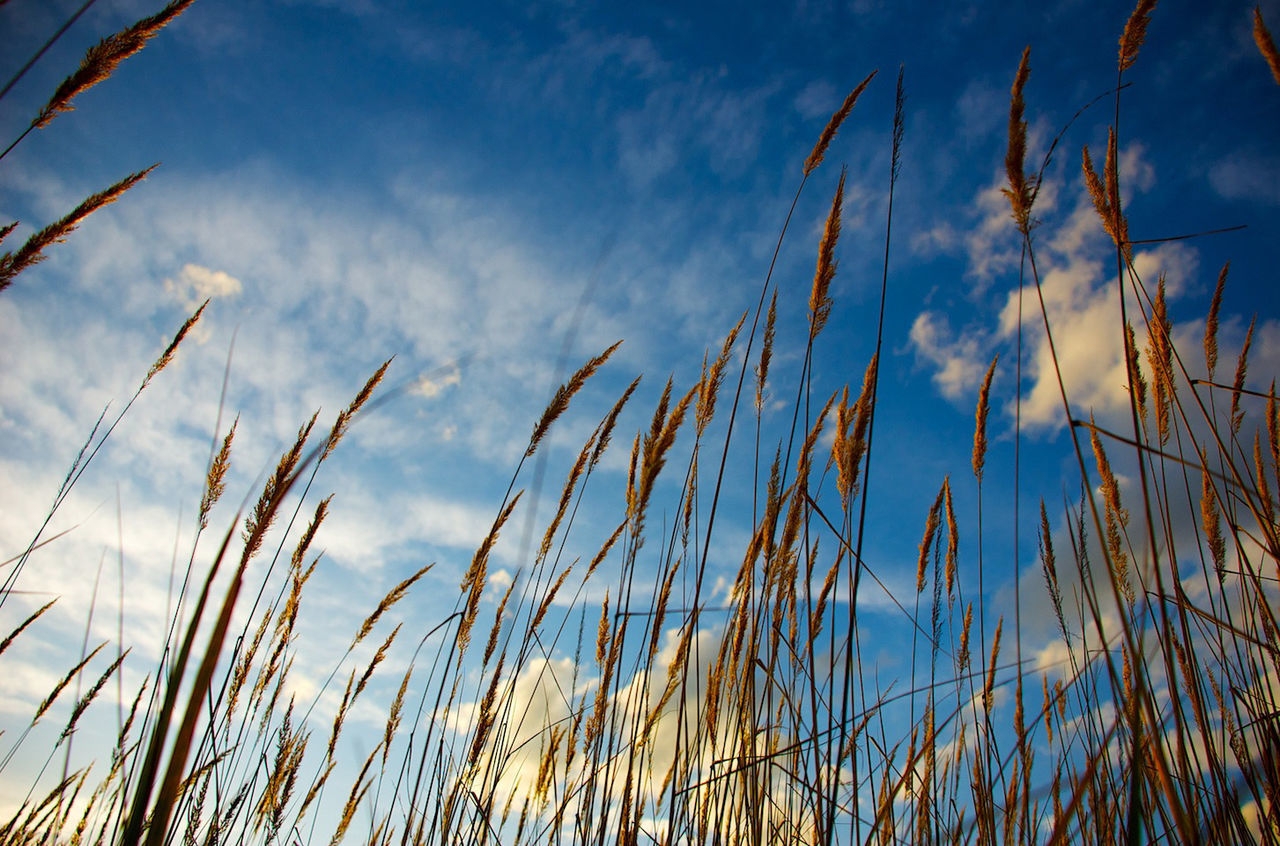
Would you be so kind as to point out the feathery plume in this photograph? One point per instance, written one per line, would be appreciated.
(393, 596)
(953, 543)
(4, 644)
(66, 680)
(560, 401)
(344, 417)
(766, 351)
(167, 356)
(990, 684)
(820, 298)
(215, 481)
(710, 385)
(102, 59)
(609, 422)
(829, 131)
(32, 252)
(1211, 322)
(1242, 369)
(264, 511)
(1160, 354)
(1266, 46)
(980, 422)
(930, 532)
(1135, 31)
(1020, 188)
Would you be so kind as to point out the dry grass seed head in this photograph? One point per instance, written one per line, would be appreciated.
(829, 131)
(980, 421)
(167, 356)
(1160, 354)
(990, 684)
(1260, 470)
(566, 495)
(1273, 426)
(711, 382)
(1211, 322)
(1097, 193)
(4, 644)
(953, 541)
(819, 610)
(343, 421)
(1135, 31)
(340, 716)
(66, 680)
(661, 438)
(820, 296)
(373, 664)
(393, 596)
(1210, 520)
(492, 643)
(1019, 191)
(1137, 383)
(393, 715)
(358, 790)
(1266, 46)
(102, 59)
(242, 666)
(604, 550)
(610, 421)
(486, 716)
(602, 631)
(1118, 225)
(962, 656)
(560, 401)
(548, 599)
(309, 534)
(930, 532)
(32, 252)
(1117, 517)
(477, 574)
(766, 351)
(215, 481)
(800, 488)
(264, 511)
(1242, 369)
(86, 700)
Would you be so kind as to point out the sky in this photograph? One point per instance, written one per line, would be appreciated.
(493, 193)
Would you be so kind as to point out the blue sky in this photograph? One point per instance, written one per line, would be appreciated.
(451, 183)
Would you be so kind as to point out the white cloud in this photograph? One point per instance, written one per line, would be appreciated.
(195, 284)
(429, 387)
(1247, 177)
(1082, 302)
(957, 359)
(818, 99)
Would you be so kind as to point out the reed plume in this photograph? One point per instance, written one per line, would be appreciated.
(1211, 323)
(829, 131)
(820, 296)
(560, 401)
(1266, 46)
(1020, 189)
(101, 60)
(1135, 32)
(343, 421)
(980, 422)
(32, 252)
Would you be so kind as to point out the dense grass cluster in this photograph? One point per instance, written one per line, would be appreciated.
(755, 721)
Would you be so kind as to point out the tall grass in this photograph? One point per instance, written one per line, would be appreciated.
(683, 717)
